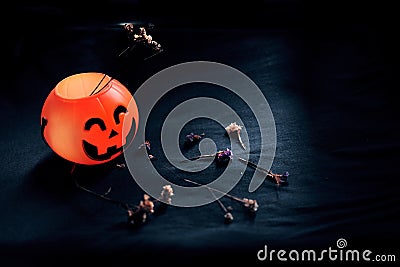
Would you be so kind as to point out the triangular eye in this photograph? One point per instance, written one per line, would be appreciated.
(118, 110)
(93, 121)
(113, 133)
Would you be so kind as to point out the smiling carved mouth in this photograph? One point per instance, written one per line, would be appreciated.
(92, 151)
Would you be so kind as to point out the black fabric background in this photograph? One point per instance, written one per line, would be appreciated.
(328, 71)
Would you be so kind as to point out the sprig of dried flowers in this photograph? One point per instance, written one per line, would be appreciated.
(221, 157)
(146, 145)
(139, 35)
(250, 205)
(228, 217)
(137, 214)
(147, 206)
(278, 179)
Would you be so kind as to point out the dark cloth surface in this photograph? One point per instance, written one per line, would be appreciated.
(331, 87)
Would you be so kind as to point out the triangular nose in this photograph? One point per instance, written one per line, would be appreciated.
(112, 134)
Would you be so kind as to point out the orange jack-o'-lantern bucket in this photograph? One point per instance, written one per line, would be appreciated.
(85, 115)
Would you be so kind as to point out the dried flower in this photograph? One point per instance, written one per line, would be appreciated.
(224, 155)
(193, 138)
(146, 144)
(234, 129)
(166, 194)
(138, 214)
(279, 179)
(122, 165)
(141, 36)
(228, 217)
(250, 204)
(146, 204)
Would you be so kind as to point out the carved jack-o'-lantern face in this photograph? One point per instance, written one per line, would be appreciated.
(86, 127)
(91, 150)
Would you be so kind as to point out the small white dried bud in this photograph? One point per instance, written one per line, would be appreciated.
(251, 204)
(235, 128)
(166, 194)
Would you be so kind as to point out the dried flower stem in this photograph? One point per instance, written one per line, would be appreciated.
(219, 201)
(158, 52)
(204, 156)
(216, 190)
(103, 196)
(137, 214)
(125, 50)
(227, 215)
(251, 164)
(220, 155)
(269, 173)
(250, 204)
(240, 141)
(124, 205)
